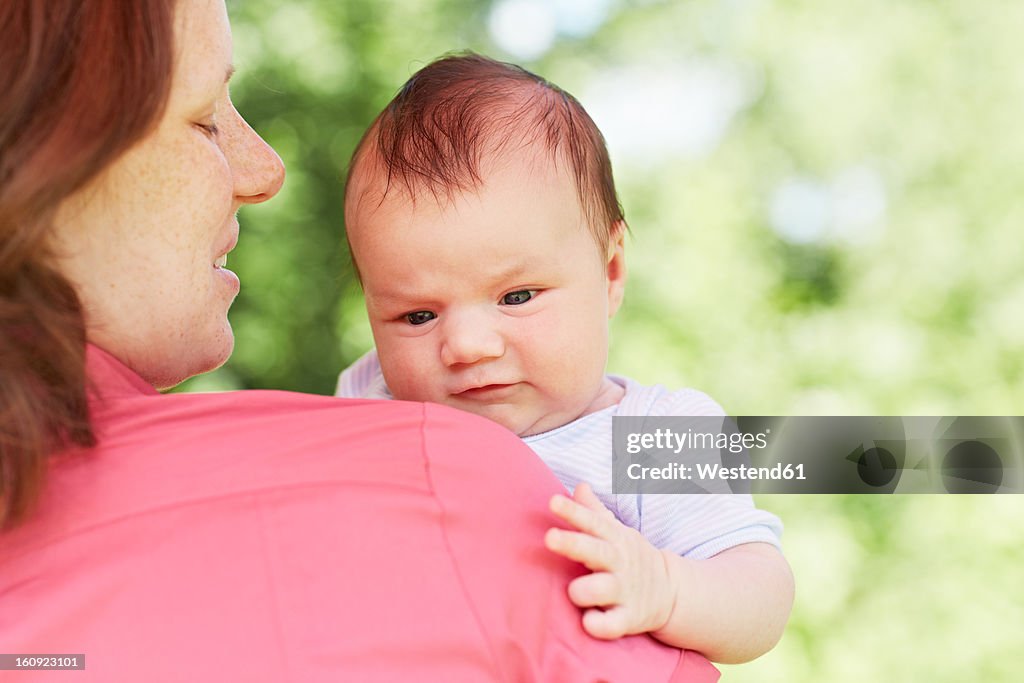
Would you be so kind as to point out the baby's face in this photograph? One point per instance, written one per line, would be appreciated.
(496, 302)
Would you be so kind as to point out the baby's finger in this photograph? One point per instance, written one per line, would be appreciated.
(584, 495)
(593, 553)
(583, 518)
(600, 589)
(606, 624)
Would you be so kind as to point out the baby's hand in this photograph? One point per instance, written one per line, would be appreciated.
(630, 578)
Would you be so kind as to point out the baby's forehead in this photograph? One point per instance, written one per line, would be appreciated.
(372, 186)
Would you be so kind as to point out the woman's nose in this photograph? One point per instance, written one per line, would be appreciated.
(257, 169)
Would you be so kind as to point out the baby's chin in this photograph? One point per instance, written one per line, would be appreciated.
(510, 417)
(520, 423)
(530, 420)
(522, 420)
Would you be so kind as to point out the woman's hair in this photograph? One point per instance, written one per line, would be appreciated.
(81, 81)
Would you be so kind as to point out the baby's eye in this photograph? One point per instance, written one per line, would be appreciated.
(518, 297)
(419, 317)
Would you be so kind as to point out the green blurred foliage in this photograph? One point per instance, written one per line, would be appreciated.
(912, 305)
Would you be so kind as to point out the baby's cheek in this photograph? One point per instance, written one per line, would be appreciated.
(407, 374)
(577, 367)
(410, 388)
(564, 345)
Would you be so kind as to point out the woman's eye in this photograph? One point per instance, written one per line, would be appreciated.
(518, 297)
(419, 317)
(210, 129)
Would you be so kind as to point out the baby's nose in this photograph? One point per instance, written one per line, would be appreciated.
(468, 339)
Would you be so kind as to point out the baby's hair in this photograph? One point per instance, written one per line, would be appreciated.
(434, 134)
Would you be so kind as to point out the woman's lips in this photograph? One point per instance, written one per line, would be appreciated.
(228, 278)
(219, 263)
(230, 242)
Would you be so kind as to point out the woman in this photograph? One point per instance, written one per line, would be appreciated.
(243, 536)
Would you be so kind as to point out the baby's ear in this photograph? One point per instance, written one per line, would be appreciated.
(616, 266)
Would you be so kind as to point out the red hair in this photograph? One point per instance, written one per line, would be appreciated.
(433, 135)
(81, 81)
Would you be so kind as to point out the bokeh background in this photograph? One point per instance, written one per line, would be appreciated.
(825, 200)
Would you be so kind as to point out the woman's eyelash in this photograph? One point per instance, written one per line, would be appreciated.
(210, 128)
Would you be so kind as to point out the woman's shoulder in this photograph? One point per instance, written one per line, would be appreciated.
(258, 419)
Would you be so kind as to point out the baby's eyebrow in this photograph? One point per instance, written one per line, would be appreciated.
(387, 298)
(511, 272)
(391, 300)
(403, 297)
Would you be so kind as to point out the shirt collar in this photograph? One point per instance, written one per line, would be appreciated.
(109, 377)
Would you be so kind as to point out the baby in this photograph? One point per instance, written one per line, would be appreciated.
(485, 229)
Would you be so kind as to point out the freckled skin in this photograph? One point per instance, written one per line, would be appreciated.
(455, 261)
(139, 243)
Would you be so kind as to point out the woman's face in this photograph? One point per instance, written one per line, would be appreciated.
(145, 244)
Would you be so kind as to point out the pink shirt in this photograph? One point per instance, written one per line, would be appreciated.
(271, 536)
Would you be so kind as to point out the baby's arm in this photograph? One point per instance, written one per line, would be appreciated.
(731, 607)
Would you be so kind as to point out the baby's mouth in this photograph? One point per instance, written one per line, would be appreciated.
(486, 392)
